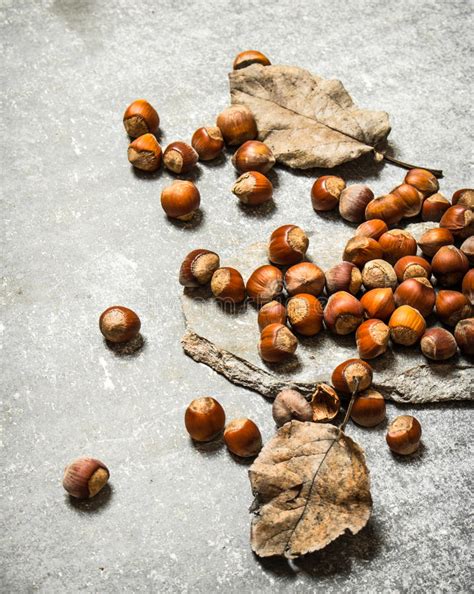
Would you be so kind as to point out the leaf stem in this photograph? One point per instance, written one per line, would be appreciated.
(342, 426)
(436, 172)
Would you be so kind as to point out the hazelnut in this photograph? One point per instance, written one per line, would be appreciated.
(237, 124)
(271, 313)
(359, 250)
(140, 118)
(119, 324)
(325, 403)
(304, 277)
(389, 208)
(277, 343)
(180, 200)
(412, 198)
(198, 267)
(406, 325)
(228, 285)
(204, 419)
(467, 248)
(403, 435)
(180, 157)
(372, 338)
(434, 208)
(418, 293)
(265, 284)
(464, 335)
(208, 142)
(396, 244)
(412, 267)
(452, 306)
(243, 438)
(288, 245)
(249, 57)
(326, 191)
(289, 405)
(353, 375)
(368, 409)
(353, 202)
(434, 239)
(343, 313)
(438, 344)
(464, 197)
(459, 220)
(374, 228)
(253, 155)
(305, 314)
(344, 276)
(85, 477)
(145, 153)
(379, 274)
(449, 266)
(468, 285)
(253, 188)
(378, 303)
(423, 180)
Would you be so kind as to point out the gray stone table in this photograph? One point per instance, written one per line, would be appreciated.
(83, 231)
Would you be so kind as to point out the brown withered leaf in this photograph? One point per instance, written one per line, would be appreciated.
(311, 484)
(306, 120)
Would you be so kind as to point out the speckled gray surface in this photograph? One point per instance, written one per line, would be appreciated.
(84, 231)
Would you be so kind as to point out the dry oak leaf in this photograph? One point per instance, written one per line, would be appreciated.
(306, 120)
(311, 484)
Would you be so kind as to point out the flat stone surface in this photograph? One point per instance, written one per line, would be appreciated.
(83, 231)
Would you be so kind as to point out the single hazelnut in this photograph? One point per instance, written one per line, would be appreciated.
(353, 375)
(140, 118)
(465, 197)
(403, 435)
(289, 405)
(378, 303)
(265, 284)
(368, 409)
(305, 314)
(326, 191)
(198, 267)
(406, 325)
(277, 343)
(468, 285)
(180, 200)
(412, 198)
(434, 208)
(325, 404)
(412, 267)
(208, 142)
(243, 438)
(449, 265)
(434, 239)
(204, 419)
(418, 293)
(344, 276)
(228, 285)
(467, 248)
(372, 339)
(389, 208)
(305, 277)
(249, 57)
(438, 344)
(180, 157)
(343, 313)
(423, 180)
(452, 306)
(271, 313)
(237, 124)
(119, 324)
(464, 335)
(288, 245)
(145, 153)
(374, 228)
(459, 220)
(253, 188)
(379, 274)
(253, 155)
(396, 244)
(359, 250)
(85, 477)
(353, 202)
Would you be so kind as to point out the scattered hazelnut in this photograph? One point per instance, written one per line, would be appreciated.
(464, 197)
(353, 202)
(353, 375)
(434, 239)
(249, 57)
(325, 404)
(145, 153)
(403, 435)
(288, 245)
(412, 267)
(198, 267)
(378, 303)
(418, 293)
(253, 188)
(379, 274)
(438, 344)
(368, 409)
(243, 438)
(412, 198)
(237, 124)
(228, 285)
(326, 191)
(204, 419)
(85, 477)
(180, 157)
(434, 207)
(343, 313)
(449, 265)
(253, 155)
(468, 285)
(208, 142)
(389, 208)
(406, 325)
(265, 284)
(289, 405)
(271, 313)
(140, 118)
(119, 324)
(359, 250)
(423, 180)
(372, 339)
(467, 248)
(396, 244)
(464, 335)
(374, 229)
(277, 343)
(344, 276)
(305, 314)
(459, 220)
(304, 277)
(180, 200)
(452, 306)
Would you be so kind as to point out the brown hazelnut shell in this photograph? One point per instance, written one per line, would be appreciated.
(418, 293)
(180, 200)
(368, 409)
(277, 343)
(434, 239)
(344, 276)
(465, 197)
(85, 477)
(412, 267)
(271, 313)
(288, 245)
(343, 313)
(378, 303)
(449, 265)
(467, 286)
(434, 207)
(452, 307)
(237, 124)
(325, 404)
(119, 324)
(265, 284)
(180, 157)
(289, 405)
(253, 155)
(459, 220)
(304, 277)
(353, 202)
(144, 153)
(372, 338)
(140, 118)
(406, 325)
(359, 250)
(412, 198)
(353, 375)
(198, 267)
(378, 274)
(389, 207)
(243, 438)
(249, 57)
(204, 419)
(438, 344)
(305, 314)
(326, 191)
(403, 435)
(396, 244)
(253, 188)
(228, 285)
(464, 335)
(374, 228)
(208, 142)
(423, 180)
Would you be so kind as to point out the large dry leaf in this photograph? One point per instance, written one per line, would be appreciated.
(311, 484)
(306, 120)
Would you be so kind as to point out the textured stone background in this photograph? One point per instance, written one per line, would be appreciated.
(84, 231)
